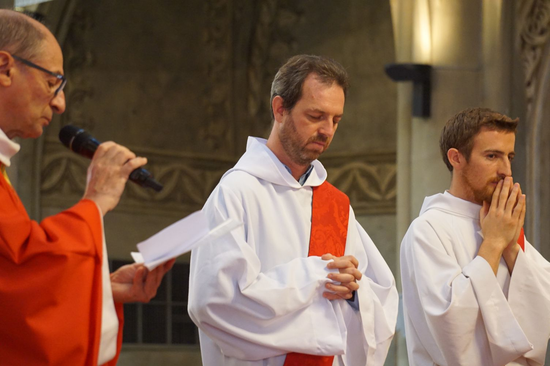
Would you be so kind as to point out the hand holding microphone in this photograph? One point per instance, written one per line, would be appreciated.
(112, 165)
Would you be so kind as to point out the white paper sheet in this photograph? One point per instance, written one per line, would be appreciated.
(180, 238)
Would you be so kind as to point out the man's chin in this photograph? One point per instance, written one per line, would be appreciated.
(304, 159)
(486, 196)
(314, 152)
(33, 134)
(311, 157)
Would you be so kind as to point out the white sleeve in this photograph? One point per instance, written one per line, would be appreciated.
(377, 296)
(253, 314)
(529, 298)
(448, 305)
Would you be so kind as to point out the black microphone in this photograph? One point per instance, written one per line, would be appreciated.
(82, 143)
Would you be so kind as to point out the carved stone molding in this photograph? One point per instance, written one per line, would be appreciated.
(369, 181)
(187, 179)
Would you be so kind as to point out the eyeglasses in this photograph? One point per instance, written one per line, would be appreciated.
(58, 76)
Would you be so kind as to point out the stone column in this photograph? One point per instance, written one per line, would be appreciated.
(402, 17)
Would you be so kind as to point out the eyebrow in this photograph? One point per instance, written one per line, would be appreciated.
(500, 152)
(316, 110)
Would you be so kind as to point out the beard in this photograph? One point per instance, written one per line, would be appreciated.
(486, 192)
(298, 153)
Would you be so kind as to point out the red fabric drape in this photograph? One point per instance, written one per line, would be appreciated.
(329, 229)
(521, 239)
(50, 284)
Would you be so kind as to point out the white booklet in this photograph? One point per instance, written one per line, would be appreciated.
(180, 238)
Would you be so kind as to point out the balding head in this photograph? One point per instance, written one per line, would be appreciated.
(21, 35)
(30, 58)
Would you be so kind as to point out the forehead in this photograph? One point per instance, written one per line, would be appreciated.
(318, 95)
(494, 140)
(50, 56)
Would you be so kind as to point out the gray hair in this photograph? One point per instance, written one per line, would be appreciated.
(289, 80)
(19, 36)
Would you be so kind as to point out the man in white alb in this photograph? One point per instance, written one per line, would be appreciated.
(300, 283)
(475, 292)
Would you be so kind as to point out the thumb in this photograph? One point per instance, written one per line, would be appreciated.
(327, 256)
(139, 276)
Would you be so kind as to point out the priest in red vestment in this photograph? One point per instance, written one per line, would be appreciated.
(59, 304)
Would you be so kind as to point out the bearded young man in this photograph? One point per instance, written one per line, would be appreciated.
(300, 283)
(475, 292)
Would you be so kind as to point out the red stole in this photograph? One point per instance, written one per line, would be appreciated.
(329, 229)
(521, 239)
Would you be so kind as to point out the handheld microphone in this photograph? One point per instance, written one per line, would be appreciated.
(82, 143)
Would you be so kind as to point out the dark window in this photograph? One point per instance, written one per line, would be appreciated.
(164, 320)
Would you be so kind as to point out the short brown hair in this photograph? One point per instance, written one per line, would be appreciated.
(289, 80)
(460, 130)
(19, 36)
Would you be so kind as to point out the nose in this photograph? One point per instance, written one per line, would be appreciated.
(58, 103)
(505, 169)
(327, 128)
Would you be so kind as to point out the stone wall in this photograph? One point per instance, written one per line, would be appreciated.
(185, 83)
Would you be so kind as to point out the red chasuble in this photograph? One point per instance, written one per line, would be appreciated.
(329, 230)
(50, 285)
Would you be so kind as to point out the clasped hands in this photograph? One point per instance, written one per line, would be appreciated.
(501, 222)
(344, 282)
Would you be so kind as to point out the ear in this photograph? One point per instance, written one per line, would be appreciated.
(456, 159)
(278, 108)
(6, 68)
